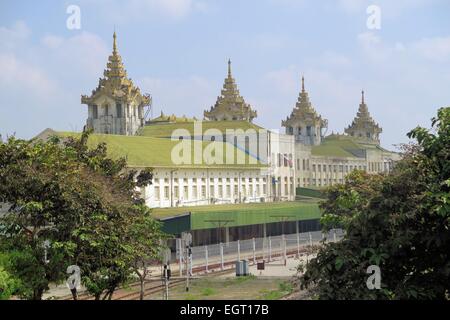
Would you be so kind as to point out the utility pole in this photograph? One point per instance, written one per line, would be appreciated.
(187, 237)
(166, 272)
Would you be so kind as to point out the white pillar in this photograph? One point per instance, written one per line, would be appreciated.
(310, 239)
(180, 256)
(191, 262)
(221, 256)
(270, 249)
(334, 235)
(239, 250)
(206, 259)
(298, 245)
(254, 251)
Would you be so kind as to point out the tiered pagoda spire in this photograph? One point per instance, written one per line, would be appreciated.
(363, 126)
(230, 105)
(116, 83)
(304, 122)
(116, 106)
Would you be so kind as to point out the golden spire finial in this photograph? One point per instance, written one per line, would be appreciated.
(229, 67)
(114, 42)
(303, 84)
(362, 96)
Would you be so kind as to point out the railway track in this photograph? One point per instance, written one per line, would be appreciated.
(132, 291)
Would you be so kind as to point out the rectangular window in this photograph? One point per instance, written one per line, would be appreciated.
(228, 191)
(176, 192)
(157, 195)
(119, 110)
(185, 192)
(194, 192)
(95, 111)
(166, 193)
(211, 191)
(203, 191)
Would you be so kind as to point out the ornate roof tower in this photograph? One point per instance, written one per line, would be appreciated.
(363, 126)
(230, 105)
(304, 122)
(116, 105)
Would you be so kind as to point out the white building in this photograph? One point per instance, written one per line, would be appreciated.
(275, 163)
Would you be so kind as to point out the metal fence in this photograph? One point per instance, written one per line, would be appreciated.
(219, 256)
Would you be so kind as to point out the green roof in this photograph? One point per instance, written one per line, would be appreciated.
(165, 130)
(205, 217)
(342, 146)
(156, 152)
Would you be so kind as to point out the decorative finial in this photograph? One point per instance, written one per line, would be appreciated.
(114, 42)
(362, 97)
(303, 84)
(229, 67)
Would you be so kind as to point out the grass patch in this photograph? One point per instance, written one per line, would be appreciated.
(208, 292)
(284, 288)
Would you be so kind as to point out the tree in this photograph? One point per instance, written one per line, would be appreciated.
(144, 249)
(77, 199)
(8, 284)
(399, 222)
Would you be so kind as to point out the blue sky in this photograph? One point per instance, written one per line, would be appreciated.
(177, 50)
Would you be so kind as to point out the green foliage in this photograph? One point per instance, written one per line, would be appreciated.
(208, 292)
(8, 284)
(399, 222)
(79, 200)
(284, 288)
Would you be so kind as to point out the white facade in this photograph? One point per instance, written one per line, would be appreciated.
(107, 116)
(202, 186)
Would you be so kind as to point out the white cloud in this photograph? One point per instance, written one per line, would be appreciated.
(182, 96)
(18, 76)
(123, 11)
(81, 56)
(436, 49)
(375, 49)
(389, 8)
(10, 38)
